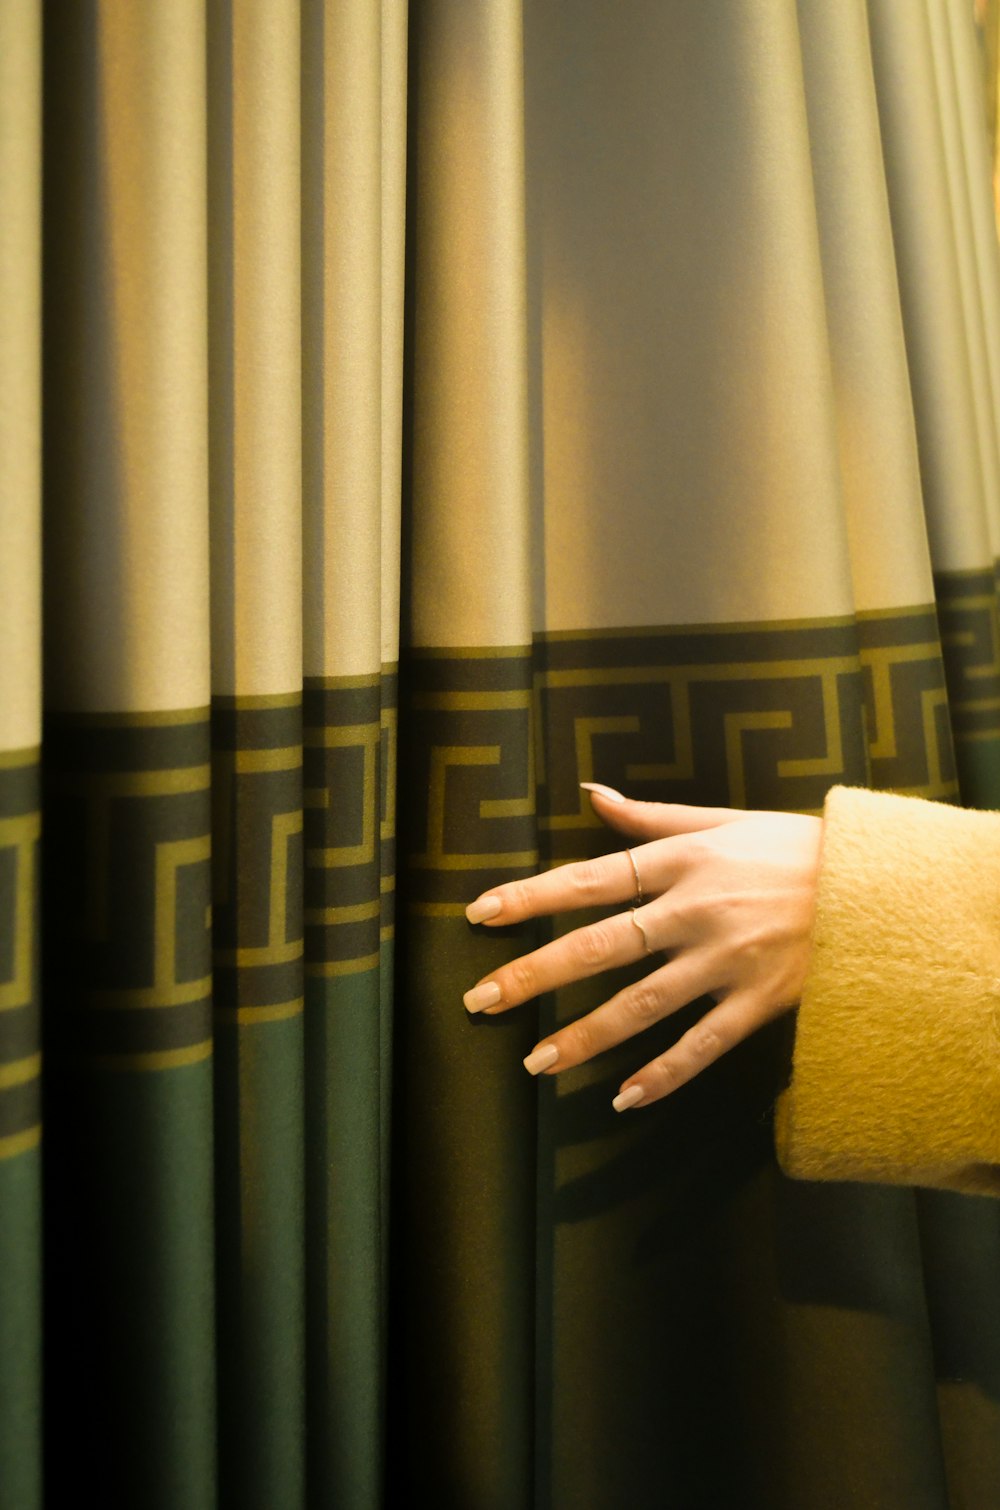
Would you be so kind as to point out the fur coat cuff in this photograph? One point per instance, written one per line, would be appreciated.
(896, 1063)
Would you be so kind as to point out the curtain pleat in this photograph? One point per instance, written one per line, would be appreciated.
(465, 1176)
(128, 965)
(349, 713)
(20, 739)
(721, 354)
(441, 406)
(255, 473)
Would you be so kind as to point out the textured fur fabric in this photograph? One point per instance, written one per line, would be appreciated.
(896, 1067)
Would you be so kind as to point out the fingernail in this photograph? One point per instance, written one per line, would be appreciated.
(602, 791)
(628, 1098)
(483, 908)
(541, 1059)
(486, 995)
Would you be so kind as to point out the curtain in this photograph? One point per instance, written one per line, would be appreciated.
(409, 412)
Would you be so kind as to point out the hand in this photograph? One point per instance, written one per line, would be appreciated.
(729, 896)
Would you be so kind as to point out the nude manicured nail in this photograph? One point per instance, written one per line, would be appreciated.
(486, 995)
(541, 1059)
(483, 908)
(602, 791)
(628, 1098)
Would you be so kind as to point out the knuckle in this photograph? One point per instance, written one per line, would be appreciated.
(668, 1073)
(587, 877)
(593, 945)
(517, 898)
(697, 847)
(687, 912)
(706, 1043)
(580, 1043)
(518, 981)
(642, 1004)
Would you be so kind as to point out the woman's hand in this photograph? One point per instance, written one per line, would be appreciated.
(728, 896)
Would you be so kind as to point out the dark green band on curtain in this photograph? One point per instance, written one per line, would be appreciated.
(20, 1130)
(968, 604)
(259, 1129)
(128, 1107)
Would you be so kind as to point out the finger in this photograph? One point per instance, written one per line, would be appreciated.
(647, 1001)
(717, 1032)
(612, 942)
(585, 883)
(655, 820)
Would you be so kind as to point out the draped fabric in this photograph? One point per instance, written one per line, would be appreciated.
(406, 414)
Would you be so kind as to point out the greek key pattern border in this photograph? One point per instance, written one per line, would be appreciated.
(20, 1025)
(128, 888)
(349, 735)
(968, 607)
(747, 716)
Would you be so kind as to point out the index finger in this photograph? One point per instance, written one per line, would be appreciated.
(584, 883)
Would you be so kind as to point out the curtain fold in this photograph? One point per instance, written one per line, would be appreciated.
(463, 1409)
(255, 493)
(127, 974)
(20, 740)
(442, 405)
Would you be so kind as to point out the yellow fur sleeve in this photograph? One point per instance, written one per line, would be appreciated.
(896, 1065)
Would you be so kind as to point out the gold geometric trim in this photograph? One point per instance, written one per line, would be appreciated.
(624, 676)
(967, 572)
(502, 861)
(359, 912)
(23, 831)
(476, 652)
(343, 966)
(677, 631)
(436, 909)
(122, 998)
(287, 759)
(913, 611)
(159, 1059)
(879, 661)
(20, 1142)
(259, 954)
(388, 722)
(975, 736)
(20, 1071)
(343, 683)
(12, 760)
(242, 1016)
(144, 720)
(171, 856)
(251, 702)
(175, 781)
(462, 702)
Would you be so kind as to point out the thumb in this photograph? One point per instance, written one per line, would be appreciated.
(654, 820)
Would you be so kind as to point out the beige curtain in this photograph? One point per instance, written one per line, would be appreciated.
(635, 369)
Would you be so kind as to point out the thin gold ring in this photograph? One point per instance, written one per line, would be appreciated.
(645, 940)
(639, 898)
